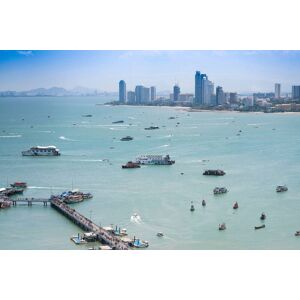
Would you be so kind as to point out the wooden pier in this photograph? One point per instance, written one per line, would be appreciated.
(104, 236)
(30, 201)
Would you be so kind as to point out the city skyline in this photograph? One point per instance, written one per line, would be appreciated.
(238, 71)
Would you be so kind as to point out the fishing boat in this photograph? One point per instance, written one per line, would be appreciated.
(281, 188)
(152, 128)
(214, 172)
(220, 190)
(42, 151)
(78, 240)
(222, 226)
(19, 184)
(131, 165)
(235, 206)
(126, 138)
(260, 227)
(137, 243)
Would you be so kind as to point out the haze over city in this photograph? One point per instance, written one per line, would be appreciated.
(239, 71)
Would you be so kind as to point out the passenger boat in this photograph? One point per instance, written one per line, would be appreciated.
(220, 190)
(222, 226)
(214, 172)
(235, 206)
(281, 188)
(152, 128)
(155, 160)
(42, 151)
(131, 165)
(260, 227)
(126, 138)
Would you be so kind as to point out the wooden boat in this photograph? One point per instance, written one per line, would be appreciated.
(260, 227)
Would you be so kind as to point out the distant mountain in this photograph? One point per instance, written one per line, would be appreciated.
(55, 92)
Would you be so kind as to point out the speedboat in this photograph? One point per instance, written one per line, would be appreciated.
(222, 226)
(281, 188)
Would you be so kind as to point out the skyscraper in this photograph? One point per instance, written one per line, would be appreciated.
(233, 98)
(208, 91)
(198, 97)
(142, 94)
(131, 97)
(176, 92)
(277, 90)
(296, 91)
(122, 91)
(152, 93)
(220, 97)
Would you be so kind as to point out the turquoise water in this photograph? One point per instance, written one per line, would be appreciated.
(255, 162)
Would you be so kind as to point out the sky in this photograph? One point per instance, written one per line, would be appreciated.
(235, 71)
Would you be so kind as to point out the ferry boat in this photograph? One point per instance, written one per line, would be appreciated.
(154, 160)
(42, 151)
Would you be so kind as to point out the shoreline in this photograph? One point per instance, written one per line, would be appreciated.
(193, 110)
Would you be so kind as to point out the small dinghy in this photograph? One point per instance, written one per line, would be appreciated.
(203, 202)
(263, 216)
(260, 227)
(235, 206)
(192, 207)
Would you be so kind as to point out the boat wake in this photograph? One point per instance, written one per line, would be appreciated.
(11, 136)
(164, 146)
(67, 139)
(135, 218)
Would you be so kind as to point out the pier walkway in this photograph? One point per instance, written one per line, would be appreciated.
(29, 201)
(86, 224)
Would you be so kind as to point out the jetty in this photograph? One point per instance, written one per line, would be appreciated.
(30, 201)
(103, 235)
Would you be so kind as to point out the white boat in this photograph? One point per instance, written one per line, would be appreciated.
(42, 151)
(154, 160)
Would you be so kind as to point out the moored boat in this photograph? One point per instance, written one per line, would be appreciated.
(131, 165)
(19, 184)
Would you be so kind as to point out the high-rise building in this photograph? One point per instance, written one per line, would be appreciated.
(296, 92)
(131, 97)
(122, 91)
(142, 94)
(198, 97)
(176, 92)
(186, 97)
(208, 91)
(277, 90)
(220, 96)
(152, 93)
(233, 98)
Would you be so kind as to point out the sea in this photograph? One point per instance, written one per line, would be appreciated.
(257, 151)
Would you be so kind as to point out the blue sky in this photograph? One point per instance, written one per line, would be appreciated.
(241, 71)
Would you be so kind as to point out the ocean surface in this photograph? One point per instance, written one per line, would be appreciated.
(264, 155)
